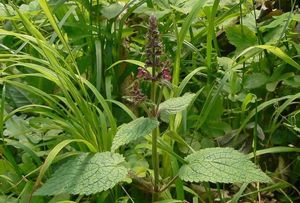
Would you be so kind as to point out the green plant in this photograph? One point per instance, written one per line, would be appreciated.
(85, 96)
(215, 164)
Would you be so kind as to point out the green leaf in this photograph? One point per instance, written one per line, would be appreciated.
(112, 10)
(86, 174)
(182, 34)
(274, 50)
(134, 62)
(17, 97)
(241, 37)
(175, 105)
(255, 80)
(221, 165)
(277, 22)
(131, 131)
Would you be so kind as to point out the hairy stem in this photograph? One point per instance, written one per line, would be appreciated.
(155, 134)
(155, 163)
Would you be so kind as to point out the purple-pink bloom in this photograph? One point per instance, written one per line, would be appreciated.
(144, 74)
(166, 74)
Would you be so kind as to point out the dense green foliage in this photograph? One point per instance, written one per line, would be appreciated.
(149, 101)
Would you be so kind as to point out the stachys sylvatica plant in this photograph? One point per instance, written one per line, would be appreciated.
(92, 173)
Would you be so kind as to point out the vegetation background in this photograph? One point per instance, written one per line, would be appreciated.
(69, 71)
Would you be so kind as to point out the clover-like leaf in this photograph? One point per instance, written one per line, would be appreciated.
(86, 174)
(131, 131)
(175, 105)
(220, 165)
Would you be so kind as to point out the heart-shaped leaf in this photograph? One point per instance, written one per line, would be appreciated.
(221, 165)
(131, 131)
(86, 174)
(175, 105)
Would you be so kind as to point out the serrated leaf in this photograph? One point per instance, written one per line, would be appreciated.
(86, 174)
(131, 131)
(221, 165)
(175, 105)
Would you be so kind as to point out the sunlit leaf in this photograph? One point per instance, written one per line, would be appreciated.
(274, 50)
(175, 105)
(135, 129)
(220, 165)
(86, 174)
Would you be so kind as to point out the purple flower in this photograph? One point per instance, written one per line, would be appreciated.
(166, 74)
(137, 94)
(154, 47)
(144, 74)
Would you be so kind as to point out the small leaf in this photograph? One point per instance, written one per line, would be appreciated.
(175, 105)
(131, 131)
(221, 165)
(86, 174)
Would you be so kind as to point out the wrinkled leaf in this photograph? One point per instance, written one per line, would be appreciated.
(30, 130)
(86, 174)
(131, 131)
(221, 165)
(175, 105)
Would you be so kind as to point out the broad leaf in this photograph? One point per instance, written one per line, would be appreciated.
(255, 80)
(175, 105)
(17, 97)
(112, 10)
(86, 174)
(131, 131)
(221, 165)
(240, 36)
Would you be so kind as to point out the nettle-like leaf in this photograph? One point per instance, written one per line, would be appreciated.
(220, 165)
(175, 105)
(131, 131)
(86, 174)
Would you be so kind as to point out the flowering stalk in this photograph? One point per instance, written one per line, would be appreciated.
(153, 52)
(159, 76)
